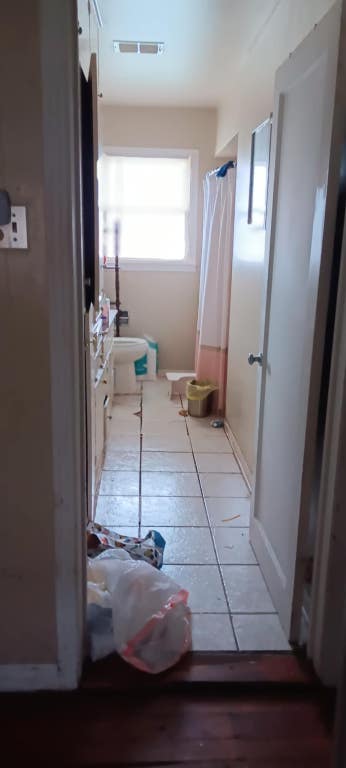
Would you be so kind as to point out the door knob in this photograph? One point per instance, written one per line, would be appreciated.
(255, 358)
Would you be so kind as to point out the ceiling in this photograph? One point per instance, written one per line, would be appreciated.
(206, 44)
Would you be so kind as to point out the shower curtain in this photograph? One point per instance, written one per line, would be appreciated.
(215, 280)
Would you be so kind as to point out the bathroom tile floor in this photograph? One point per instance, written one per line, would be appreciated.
(179, 475)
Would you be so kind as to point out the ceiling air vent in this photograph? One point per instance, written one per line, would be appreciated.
(137, 46)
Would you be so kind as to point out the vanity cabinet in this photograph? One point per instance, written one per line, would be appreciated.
(108, 379)
(101, 373)
(100, 427)
(96, 390)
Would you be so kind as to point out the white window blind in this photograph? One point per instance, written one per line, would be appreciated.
(150, 198)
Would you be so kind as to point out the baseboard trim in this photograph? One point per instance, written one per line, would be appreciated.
(248, 476)
(34, 677)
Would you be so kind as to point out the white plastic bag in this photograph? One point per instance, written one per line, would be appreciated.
(101, 572)
(150, 616)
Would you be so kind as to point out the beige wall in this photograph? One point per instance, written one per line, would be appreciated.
(27, 596)
(250, 102)
(163, 304)
(251, 90)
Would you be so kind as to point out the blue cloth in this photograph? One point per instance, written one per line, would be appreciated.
(221, 172)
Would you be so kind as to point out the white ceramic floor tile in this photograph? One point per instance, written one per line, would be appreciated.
(256, 632)
(119, 483)
(214, 443)
(160, 398)
(170, 484)
(131, 425)
(164, 510)
(125, 530)
(120, 442)
(246, 589)
(117, 510)
(155, 420)
(127, 402)
(167, 410)
(156, 391)
(234, 513)
(162, 395)
(233, 546)
(212, 632)
(123, 412)
(188, 545)
(122, 460)
(217, 484)
(179, 443)
(164, 427)
(203, 584)
(171, 503)
(119, 413)
(216, 462)
(203, 426)
(160, 461)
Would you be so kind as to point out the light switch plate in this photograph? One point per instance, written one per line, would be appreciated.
(14, 235)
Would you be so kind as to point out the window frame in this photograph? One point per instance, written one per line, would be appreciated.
(189, 263)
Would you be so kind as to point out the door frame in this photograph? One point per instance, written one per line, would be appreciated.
(62, 198)
(327, 600)
(325, 643)
(62, 191)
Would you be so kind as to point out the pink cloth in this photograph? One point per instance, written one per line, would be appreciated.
(211, 364)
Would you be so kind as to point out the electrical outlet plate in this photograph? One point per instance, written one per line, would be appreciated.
(14, 235)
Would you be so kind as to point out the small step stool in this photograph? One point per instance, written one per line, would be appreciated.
(177, 380)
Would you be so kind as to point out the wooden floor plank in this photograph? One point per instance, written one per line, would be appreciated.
(164, 729)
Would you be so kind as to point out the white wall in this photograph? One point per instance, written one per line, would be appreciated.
(162, 304)
(250, 102)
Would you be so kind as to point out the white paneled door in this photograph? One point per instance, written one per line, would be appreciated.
(300, 232)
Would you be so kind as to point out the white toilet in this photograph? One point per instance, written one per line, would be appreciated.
(125, 351)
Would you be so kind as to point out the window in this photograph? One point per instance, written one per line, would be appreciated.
(152, 198)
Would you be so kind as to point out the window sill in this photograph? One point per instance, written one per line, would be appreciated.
(153, 266)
